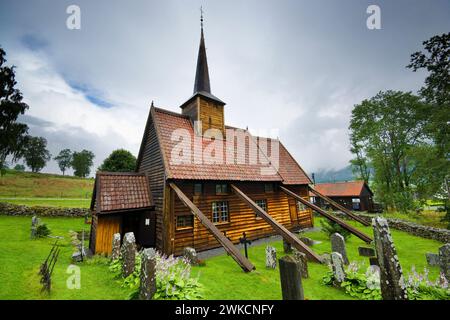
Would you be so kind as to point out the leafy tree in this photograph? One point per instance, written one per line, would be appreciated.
(82, 163)
(385, 129)
(64, 160)
(13, 135)
(36, 154)
(119, 161)
(436, 60)
(19, 167)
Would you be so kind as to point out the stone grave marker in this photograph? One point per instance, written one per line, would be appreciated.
(271, 257)
(115, 252)
(337, 263)
(287, 247)
(190, 255)
(366, 252)
(300, 257)
(128, 252)
(338, 245)
(392, 282)
(432, 258)
(444, 260)
(148, 274)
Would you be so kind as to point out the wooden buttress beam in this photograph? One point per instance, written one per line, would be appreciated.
(339, 207)
(279, 228)
(344, 225)
(242, 261)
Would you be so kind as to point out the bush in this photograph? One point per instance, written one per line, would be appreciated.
(329, 227)
(173, 279)
(42, 231)
(367, 286)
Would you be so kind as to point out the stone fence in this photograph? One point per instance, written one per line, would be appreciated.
(442, 235)
(21, 210)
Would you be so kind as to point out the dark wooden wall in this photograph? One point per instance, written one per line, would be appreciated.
(151, 163)
(242, 218)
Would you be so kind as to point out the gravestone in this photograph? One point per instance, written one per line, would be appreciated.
(190, 255)
(290, 279)
(148, 274)
(115, 252)
(287, 247)
(338, 245)
(366, 252)
(271, 257)
(444, 260)
(432, 258)
(300, 257)
(373, 261)
(337, 263)
(34, 225)
(325, 258)
(392, 282)
(128, 252)
(308, 241)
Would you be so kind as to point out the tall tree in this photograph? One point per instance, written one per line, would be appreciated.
(82, 163)
(13, 135)
(385, 129)
(64, 160)
(36, 154)
(436, 60)
(119, 161)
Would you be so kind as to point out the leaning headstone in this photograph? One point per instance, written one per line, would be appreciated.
(191, 256)
(148, 274)
(271, 257)
(34, 224)
(300, 257)
(308, 241)
(444, 260)
(366, 252)
(128, 252)
(77, 257)
(338, 245)
(432, 258)
(290, 279)
(337, 263)
(392, 283)
(325, 258)
(115, 252)
(287, 247)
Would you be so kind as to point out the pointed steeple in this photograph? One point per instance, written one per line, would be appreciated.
(202, 74)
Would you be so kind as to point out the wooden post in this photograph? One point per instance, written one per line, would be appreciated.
(291, 279)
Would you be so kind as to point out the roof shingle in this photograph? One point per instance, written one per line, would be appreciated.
(341, 189)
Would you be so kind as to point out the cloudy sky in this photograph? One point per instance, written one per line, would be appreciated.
(294, 66)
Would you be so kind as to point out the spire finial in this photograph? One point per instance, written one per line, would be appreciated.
(201, 17)
(152, 104)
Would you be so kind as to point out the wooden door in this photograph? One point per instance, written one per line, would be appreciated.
(293, 211)
(107, 226)
(147, 229)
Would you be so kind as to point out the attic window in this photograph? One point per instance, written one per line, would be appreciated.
(268, 187)
(222, 188)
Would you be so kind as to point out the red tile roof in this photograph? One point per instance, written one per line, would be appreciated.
(341, 189)
(167, 122)
(121, 191)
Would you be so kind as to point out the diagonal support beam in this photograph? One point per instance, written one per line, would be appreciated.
(279, 228)
(243, 262)
(344, 225)
(339, 207)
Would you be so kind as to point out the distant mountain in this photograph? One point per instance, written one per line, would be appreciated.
(344, 174)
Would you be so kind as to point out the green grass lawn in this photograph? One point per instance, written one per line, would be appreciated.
(20, 259)
(222, 278)
(50, 202)
(426, 218)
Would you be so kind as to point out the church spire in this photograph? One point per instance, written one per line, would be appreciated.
(202, 75)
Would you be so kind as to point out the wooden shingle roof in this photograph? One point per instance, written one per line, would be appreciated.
(342, 189)
(114, 191)
(166, 122)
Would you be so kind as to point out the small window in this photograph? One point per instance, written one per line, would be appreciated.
(185, 222)
(220, 212)
(263, 205)
(268, 187)
(221, 188)
(198, 189)
(300, 206)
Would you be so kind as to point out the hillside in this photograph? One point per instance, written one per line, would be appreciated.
(16, 184)
(344, 174)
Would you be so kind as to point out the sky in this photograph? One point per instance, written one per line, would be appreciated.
(292, 67)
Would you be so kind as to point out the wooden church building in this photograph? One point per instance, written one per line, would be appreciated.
(177, 199)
